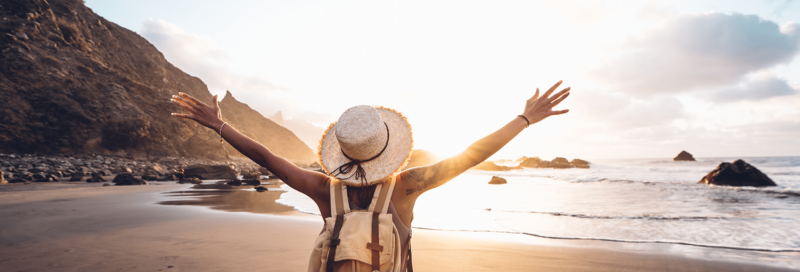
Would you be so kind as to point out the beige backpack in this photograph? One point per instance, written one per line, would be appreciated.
(360, 238)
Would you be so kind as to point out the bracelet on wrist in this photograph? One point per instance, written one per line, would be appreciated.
(526, 120)
(220, 131)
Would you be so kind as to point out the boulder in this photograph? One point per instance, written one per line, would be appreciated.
(104, 173)
(170, 177)
(490, 166)
(192, 180)
(684, 156)
(96, 178)
(497, 180)
(580, 163)
(256, 175)
(158, 170)
(738, 173)
(35, 170)
(561, 163)
(209, 172)
(53, 178)
(125, 170)
(534, 162)
(149, 177)
(252, 182)
(77, 177)
(18, 180)
(26, 176)
(235, 182)
(40, 177)
(128, 179)
(261, 189)
(2, 178)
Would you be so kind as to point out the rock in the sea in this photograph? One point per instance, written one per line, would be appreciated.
(261, 189)
(209, 172)
(497, 180)
(106, 184)
(491, 166)
(738, 173)
(128, 179)
(580, 163)
(192, 180)
(561, 163)
(684, 156)
(235, 182)
(531, 162)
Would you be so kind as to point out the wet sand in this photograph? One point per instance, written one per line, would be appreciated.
(55, 227)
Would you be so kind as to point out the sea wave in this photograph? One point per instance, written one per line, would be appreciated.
(629, 217)
(761, 249)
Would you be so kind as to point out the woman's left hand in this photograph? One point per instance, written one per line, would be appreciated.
(200, 112)
(538, 108)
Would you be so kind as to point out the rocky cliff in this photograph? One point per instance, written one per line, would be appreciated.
(76, 83)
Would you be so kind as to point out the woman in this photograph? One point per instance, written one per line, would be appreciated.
(375, 155)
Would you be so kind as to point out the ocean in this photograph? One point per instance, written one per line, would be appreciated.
(636, 201)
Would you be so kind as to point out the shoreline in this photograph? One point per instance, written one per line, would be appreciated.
(125, 228)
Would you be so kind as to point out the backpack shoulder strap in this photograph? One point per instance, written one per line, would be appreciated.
(383, 197)
(338, 206)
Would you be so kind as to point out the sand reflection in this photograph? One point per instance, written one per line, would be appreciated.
(220, 196)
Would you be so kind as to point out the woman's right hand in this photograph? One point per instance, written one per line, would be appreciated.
(200, 112)
(538, 108)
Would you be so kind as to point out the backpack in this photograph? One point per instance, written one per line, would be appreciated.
(361, 236)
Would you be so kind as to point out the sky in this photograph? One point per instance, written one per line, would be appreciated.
(648, 78)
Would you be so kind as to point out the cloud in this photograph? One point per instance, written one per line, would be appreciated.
(757, 88)
(697, 52)
(619, 111)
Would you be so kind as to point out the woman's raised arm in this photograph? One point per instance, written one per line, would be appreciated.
(417, 180)
(307, 182)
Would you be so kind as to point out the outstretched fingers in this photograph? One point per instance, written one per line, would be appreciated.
(180, 103)
(547, 94)
(558, 100)
(192, 99)
(559, 112)
(185, 116)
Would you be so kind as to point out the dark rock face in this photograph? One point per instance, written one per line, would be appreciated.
(491, 166)
(738, 173)
(497, 180)
(73, 82)
(420, 157)
(261, 189)
(148, 177)
(128, 179)
(209, 172)
(97, 178)
(684, 156)
(235, 182)
(251, 182)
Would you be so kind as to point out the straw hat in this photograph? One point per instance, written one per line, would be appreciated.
(366, 145)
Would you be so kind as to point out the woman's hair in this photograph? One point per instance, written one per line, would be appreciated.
(360, 197)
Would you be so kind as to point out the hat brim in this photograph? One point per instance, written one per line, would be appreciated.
(390, 162)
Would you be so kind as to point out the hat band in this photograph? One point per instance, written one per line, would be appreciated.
(360, 173)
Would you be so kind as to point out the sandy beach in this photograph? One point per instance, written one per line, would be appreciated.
(66, 227)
